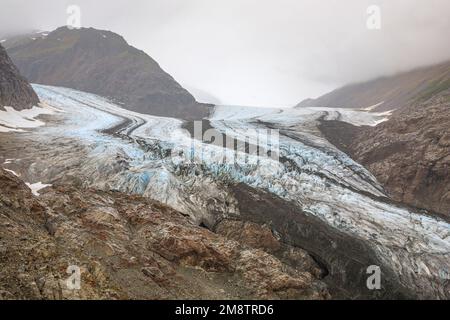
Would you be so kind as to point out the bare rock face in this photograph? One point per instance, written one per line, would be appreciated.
(15, 91)
(128, 247)
(410, 154)
(102, 62)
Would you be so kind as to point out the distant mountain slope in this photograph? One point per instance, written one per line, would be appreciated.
(15, 91)
(103, 63)
(388, 93)
(410, 153)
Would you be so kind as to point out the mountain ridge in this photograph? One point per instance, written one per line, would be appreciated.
(103, 63)
(130, 247)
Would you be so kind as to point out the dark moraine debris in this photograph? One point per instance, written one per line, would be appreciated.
(345, 258)
(340, 134)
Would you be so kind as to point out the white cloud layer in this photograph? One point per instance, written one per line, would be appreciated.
(260, 52)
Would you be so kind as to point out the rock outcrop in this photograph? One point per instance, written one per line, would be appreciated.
(15, 91)
(103, 63)
(128, 247)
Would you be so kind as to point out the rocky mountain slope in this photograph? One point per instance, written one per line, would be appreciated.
(387, 93)
(15, 91)
(103, 63)
(129, 247)
(410, 153)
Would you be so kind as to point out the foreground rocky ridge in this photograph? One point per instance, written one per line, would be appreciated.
(15, 91)
(129, 247)
(388, 93)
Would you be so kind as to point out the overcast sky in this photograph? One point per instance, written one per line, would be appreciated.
(260, 52)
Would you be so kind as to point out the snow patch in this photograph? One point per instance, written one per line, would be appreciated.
(370, 108)
(43, 33)
(13, 120)
(36, 187)
(11, 171)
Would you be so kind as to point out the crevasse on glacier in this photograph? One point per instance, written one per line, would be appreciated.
(144, 154)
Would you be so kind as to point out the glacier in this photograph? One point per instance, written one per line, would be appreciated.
(153, 156)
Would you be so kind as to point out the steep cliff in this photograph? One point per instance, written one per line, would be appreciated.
(15, 91)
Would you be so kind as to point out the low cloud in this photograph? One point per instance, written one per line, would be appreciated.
(270, 52)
